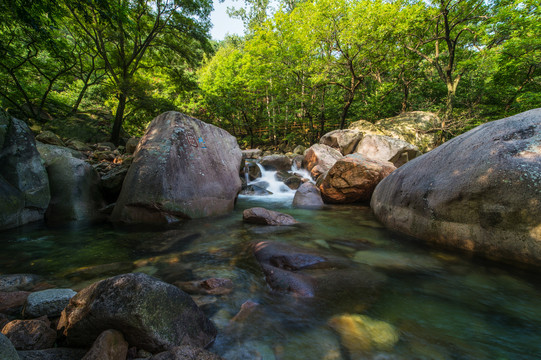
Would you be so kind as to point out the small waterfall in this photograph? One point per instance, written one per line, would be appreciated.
(246, 175)
(269, 182)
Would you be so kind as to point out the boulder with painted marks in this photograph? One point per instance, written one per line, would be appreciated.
(183, 168)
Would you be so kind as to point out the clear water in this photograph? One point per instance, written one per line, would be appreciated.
(444, 304)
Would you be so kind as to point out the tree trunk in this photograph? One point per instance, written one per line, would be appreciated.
(345, 109)
(119, 117)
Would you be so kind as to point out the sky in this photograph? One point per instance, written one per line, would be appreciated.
(222, 23)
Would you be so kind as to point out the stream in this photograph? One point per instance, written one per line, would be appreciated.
(444, 304)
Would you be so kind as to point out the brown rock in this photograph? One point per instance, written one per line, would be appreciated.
(12, 302)
(276, 162)
(263, 216)
(319, 159)
(353, 179)
(110, 345)
(478, 192)
(183, 168)
(246, 309)
(30, 334)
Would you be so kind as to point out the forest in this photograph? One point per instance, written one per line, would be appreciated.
(93, 68)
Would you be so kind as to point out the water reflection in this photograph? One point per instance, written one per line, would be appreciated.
(442, 304)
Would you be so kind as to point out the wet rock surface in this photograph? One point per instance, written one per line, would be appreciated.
(262, 216)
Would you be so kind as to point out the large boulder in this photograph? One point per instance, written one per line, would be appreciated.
(387, 148)
(478, 192)
(308, 196)
(353, 179)
(183, 168)
(344, 140)
(75, 192)
(320, 158)
(276, 162)
(152, 315)
(49, 153)
(415, 127)
(24, 185)
(110, 345)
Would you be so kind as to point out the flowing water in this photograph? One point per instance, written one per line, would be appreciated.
(443, 304)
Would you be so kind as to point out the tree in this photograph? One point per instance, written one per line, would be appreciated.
(123, 31)
(445, 33)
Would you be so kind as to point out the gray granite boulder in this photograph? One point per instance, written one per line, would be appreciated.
(183, 168)
(480, 192)
(48, 302)
(308, 196)
(152, 314)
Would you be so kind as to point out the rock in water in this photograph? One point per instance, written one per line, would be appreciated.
(183, 168)
(75, 192)
(480, 191)
(308, 197)
(152, 315)
(353, 179)
(24, 185)
(263, 216)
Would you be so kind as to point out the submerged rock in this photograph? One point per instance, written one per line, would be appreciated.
(353, 179)
(360, 334)
(152, 315)
(186, 353)
(262, 216)
(183, 168)
(478, 192)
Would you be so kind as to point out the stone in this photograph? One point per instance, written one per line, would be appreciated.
(183, 168)
(131, 145)
(110, 345)
(478, 192)
(255, 190)
(33, 334)
(386, 148)
(58, 353)
(320, 158)
(75, 193)
(292, 181)
(152, 315)
(12, 302)
(7, 350)
(186, 353)
(262, 216)
(415, 127)
(299, 150)
(212, 286)
(309, 273)
(247, 308)
(251, 153)
(111, 182)
(353, 179)
(78, 145)
(276, 162)
(251, 169)
(344, 140)
(16, 282)
(48, 137)
(308, 196)
(105, 146)
(360, 334)
(24, 185)
(50, 152)
(48, 302)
